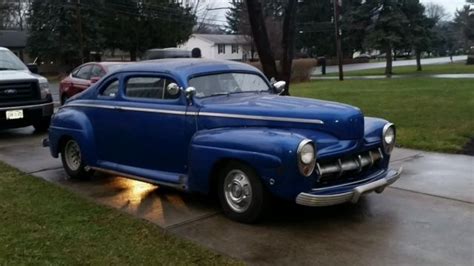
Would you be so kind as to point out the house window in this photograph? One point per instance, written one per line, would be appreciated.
(235, 48)
(221, 48)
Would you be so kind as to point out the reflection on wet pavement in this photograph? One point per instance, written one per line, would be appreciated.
(161, 205)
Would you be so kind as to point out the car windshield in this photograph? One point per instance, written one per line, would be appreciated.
(227, 83)
(9, 61)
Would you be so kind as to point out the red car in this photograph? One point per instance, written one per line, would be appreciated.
(84, 76)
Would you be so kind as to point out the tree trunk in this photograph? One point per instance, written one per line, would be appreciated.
(418, 60)
(288, 43)
(260, 36)
(388, 58)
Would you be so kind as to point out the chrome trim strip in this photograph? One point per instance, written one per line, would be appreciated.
(267, 118)
(237, 116)
(353, 196)
(143, 179)
(25, 106)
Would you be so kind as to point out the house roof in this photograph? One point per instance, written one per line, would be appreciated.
(13, 39)
(223, 38)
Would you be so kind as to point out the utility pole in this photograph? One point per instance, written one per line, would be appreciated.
(79, 29)
(337, 17)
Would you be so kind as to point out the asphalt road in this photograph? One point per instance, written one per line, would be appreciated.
(426, 218)
(363, 66)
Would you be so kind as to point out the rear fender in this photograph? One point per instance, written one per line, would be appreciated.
(72, 123)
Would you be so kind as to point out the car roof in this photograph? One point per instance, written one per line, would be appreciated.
(188, 66)
(3, 48)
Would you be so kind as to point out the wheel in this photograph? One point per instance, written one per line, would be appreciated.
(42, 125)
(242, 196)
(73, 163)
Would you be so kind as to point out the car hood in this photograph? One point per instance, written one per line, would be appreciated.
(341, 120)
(14, 75)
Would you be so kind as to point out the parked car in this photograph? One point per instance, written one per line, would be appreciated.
(83, 76)
(152, 54)
(24, 96)
(218, 126)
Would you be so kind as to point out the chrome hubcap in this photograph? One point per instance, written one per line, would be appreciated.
(237, 190)
(72, 154)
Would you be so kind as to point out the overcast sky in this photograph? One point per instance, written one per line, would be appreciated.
(449, 5)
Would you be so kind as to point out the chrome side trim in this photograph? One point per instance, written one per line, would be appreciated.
(224, 115)
(25, 106)
(267, 118)
(143, 179)
(314, 200)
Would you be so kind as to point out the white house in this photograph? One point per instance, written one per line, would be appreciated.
(219, 46)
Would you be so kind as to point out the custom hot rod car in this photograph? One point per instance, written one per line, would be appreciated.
(217, 126)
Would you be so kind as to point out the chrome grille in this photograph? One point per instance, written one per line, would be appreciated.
(343, 168)
(18, 91)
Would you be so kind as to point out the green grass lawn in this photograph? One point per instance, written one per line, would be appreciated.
(430, 114)
(41, 223)
(454, 68)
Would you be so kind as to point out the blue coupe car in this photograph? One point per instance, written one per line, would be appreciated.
(221, 127)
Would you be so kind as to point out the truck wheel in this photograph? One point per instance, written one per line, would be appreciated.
(73, 163)
(42, 125)
(242, 195)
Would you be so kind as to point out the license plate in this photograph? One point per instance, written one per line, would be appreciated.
(14, 114)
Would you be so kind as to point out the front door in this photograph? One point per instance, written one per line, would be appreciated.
(145, 133)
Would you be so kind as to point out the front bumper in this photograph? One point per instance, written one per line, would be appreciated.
(316, 199)
(33, 113)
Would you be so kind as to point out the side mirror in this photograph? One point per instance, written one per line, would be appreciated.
(33, 68)
(279, 86)
(94, 79)
(172, 89)
(190, 92)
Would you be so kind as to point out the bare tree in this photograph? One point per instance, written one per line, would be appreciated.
(262, 40)
(436, 12)
(206, 20)
(260, 37)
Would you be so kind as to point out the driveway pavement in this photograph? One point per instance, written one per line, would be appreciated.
(426, 218)
(363, 66)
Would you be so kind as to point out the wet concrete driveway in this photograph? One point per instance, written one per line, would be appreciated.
(426, 218)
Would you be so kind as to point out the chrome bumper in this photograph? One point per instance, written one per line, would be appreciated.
(353, 196)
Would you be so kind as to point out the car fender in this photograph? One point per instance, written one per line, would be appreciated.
(71, 122)
(270, 152)
(373, 129)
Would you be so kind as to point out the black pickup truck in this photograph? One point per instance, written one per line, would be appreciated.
(25, 98)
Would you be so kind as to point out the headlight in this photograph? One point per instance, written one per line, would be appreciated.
(306, 155)
(44, 89)
(388, 137)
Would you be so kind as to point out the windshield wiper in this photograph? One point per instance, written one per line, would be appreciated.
(7, 68)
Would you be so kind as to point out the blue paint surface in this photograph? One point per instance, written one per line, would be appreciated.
(184, 143)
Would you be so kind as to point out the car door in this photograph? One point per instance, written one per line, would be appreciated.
(144, 133)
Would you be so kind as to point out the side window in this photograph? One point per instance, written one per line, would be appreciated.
(150, 88)
(111, 89)
(97, 71)
(221, 48)
(84, 72)
(75, 71)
